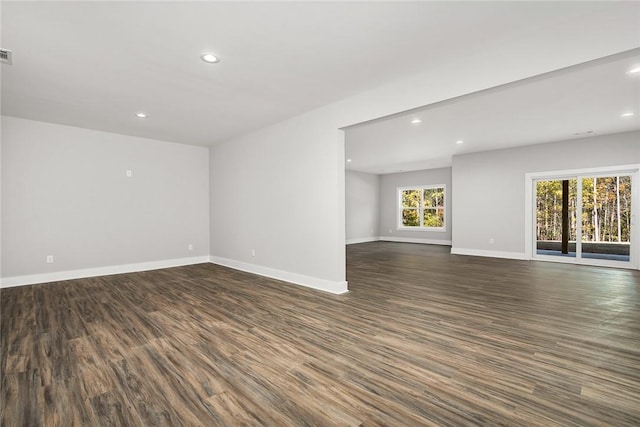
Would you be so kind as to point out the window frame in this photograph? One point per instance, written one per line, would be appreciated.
(420, 208)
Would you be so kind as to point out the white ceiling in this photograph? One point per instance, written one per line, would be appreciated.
(551, 107)
(95, 64)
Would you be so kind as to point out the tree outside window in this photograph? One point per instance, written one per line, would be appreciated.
(422, 208)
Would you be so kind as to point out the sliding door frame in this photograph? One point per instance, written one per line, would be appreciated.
(531, 178)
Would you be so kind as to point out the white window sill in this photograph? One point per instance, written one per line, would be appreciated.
(436, 229)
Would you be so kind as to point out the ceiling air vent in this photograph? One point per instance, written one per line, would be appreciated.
(5, 56)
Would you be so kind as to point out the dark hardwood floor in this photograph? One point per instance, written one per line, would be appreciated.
(422, 338)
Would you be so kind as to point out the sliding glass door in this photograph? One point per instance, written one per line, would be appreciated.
(556, 213)
(585, 218)
(606, 217)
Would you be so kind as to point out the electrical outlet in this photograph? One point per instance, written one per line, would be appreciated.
(129, 173)
(253, 252)
(492, 241)
(49, 259)
(190, 247)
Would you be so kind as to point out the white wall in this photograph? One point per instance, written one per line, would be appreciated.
(389, 201)
(269, 193)
(65, 193)
(255, 178)
(362, 192)
(489, 196)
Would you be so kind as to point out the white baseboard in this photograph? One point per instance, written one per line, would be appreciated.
(99, 271)
(298, 279)
(415, 240)
(362, 240)
(490, 254)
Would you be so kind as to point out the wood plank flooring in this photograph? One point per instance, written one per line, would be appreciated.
(422, 338)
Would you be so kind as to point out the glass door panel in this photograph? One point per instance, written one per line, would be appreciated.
(556, 217)
(606, 217)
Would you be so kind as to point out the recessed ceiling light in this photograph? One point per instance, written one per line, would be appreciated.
(142, 115)
(635, 70)
(459, 141)
(416, 121)
(629, 114)
(209, 57)
(348, 160)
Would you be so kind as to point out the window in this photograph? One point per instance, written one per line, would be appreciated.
(421, 208)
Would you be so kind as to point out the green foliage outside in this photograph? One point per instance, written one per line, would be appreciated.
(606, 209)
(429, 201)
